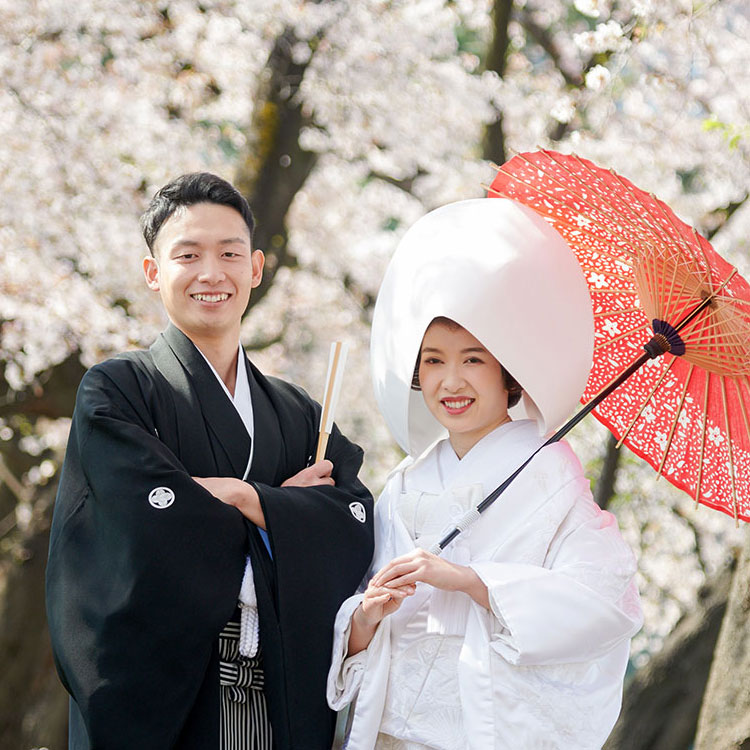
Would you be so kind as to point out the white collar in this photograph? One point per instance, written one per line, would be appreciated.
(439, 468)
(241, 400)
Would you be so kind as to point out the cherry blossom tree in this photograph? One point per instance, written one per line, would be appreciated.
(343, 122)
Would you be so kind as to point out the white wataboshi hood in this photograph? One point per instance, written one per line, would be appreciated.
(503, 273)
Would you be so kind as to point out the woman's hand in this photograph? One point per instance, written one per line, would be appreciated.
(381, 601)
(235, 492)
(378, 602)
(398, 579)
(420, 566)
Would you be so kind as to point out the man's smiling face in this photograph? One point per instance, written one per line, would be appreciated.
(204, 269)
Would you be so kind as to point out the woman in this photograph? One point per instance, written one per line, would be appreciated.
(517, 636)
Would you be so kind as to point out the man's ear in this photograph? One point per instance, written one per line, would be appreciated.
(151, 272)
(259, 261)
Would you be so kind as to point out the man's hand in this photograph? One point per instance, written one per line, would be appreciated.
(243, 496)
(317, 474)
(237, 493)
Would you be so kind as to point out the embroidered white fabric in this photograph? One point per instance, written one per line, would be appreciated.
(423, 704)
(544, 668)
(422, 699)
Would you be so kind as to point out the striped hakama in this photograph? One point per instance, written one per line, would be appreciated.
(244, 718)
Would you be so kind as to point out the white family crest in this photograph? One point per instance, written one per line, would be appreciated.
(161, 497)
(358, 511)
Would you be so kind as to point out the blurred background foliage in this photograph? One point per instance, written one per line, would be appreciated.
(343, 122)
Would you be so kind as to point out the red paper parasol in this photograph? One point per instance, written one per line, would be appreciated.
(654, 282)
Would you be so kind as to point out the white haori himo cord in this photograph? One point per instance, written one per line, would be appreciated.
(249, 625)
(463, 523)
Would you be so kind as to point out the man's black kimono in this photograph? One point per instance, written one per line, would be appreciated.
(141, 580)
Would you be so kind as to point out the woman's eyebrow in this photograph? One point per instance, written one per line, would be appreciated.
(468, 350)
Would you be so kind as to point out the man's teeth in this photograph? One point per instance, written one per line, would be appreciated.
(458, 404)
(211, 297)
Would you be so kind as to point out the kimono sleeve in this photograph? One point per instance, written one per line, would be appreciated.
(579, 605)
(322, 543)
(144, 570)
(329, 529)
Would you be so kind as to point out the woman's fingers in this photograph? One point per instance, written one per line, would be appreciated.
(400, 565)
(383, 591)
(419, 567)
(379, 602)
(407, 579)
(378, 598)
(406, 572)
(394, 569)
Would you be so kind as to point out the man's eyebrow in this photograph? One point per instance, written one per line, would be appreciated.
(194, 243)
(233, 241)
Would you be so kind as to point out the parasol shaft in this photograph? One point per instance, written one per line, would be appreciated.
(707, 301)
(653, 349)
(561, 433)
(566, 428)
(643, 256)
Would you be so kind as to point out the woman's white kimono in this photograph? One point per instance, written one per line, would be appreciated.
(542, 669)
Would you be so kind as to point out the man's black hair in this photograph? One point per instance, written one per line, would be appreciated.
(187, 190)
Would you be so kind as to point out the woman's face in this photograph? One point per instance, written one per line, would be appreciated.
(462, 385)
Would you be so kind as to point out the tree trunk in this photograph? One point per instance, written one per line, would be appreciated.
(33, 703)
(724, 722)
(604, 489)
(275, 166)
(494, 138)
(661, 702)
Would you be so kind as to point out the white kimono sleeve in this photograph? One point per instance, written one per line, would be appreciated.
(578, 606)
(346, 672)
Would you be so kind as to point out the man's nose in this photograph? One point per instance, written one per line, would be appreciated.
(211, 271)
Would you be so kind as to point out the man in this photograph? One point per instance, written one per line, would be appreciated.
(182, 461)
